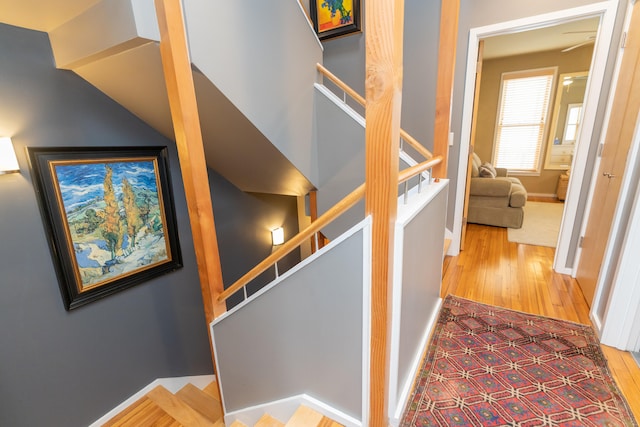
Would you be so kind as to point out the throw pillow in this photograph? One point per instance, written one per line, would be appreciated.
(487, 170)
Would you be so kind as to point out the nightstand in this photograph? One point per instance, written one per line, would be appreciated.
(563, 183)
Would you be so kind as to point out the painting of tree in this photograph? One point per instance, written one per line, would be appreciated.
(110, 216)
(111, 225)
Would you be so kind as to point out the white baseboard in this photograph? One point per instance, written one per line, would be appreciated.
(283, 409)
(396, 417)
(448, 234)
(564, 270)
(171, 384)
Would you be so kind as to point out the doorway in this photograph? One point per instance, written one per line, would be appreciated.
(606, 13)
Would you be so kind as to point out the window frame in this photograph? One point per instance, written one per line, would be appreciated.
(521, 74)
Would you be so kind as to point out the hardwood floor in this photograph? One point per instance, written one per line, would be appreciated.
(492, 270)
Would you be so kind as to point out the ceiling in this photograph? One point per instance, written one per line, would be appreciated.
(41, 15)
(556, 37)
(46, 15)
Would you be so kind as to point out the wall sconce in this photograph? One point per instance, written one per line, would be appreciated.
(277, 236)
(8, 160)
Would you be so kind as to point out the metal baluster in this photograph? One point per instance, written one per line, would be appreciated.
(401, 144)
(244, 289)
(315, 235)
(276, 265)
(344, 97)
(419, 183)
(406, 191)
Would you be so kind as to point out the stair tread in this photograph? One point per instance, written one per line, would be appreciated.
(200, 401)
(238, 424)
(144, 412)
(268, 421)
(212, 390)
(175, 407)
(305, 417)
(328, 422)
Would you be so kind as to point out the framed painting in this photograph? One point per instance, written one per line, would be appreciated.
(335, 18)
(109, 217)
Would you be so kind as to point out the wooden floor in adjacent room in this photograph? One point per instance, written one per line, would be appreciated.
(492, 270)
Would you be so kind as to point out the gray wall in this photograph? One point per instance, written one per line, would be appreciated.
(69, 368)
(243, 226)
(421, 279)
(268, 72)
(319, 310)
(340, 159)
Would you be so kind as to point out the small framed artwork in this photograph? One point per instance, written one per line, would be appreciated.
(335, 18)
(109, 217)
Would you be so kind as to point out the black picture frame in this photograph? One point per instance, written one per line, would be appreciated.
(109, 217)
(329, 20)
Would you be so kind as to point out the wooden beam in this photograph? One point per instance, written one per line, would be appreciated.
(383, 87)
(449, 12)
(186, 123)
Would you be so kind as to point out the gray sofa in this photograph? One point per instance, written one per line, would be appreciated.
(495, 201)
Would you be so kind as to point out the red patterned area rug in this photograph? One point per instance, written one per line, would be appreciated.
(489, 366)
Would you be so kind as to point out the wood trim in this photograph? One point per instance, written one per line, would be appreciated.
(184, 114)
(313, 214)
(338, 209)
(383, 88)
(472, 142)
(360, 100)
(444, 89)
(306, 12)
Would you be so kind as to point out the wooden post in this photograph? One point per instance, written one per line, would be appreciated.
(186, 123)
(449, 12)
(383, 86)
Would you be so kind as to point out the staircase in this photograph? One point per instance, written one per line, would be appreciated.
(193, 407)
(303, 417)
(189, 406)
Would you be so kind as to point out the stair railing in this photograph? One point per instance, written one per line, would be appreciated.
(338, 209)
(346, 90)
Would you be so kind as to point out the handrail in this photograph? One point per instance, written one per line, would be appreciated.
(409, 173)
(324, 219)
(342, 85)
(360, 100)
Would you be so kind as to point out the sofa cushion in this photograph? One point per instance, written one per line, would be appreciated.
(486, 170)
(499, 187)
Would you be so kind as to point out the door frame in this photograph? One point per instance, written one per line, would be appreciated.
(607, 10)
(616, 309)
(619, 327)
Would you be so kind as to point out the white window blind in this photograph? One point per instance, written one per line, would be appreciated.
(522, 119)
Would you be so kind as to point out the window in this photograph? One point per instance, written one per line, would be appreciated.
(522, 118)
(571, 127)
